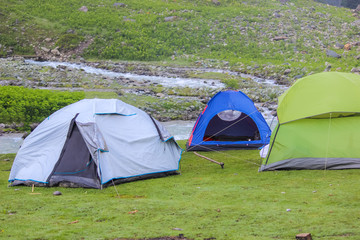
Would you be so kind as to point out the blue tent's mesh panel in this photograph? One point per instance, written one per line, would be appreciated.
(241, 129)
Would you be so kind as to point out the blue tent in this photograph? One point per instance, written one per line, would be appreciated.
(229, 121)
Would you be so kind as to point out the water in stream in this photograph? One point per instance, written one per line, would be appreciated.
(164, 81)
(10, 143)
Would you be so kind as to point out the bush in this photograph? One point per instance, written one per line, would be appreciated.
(23, 105)
(69, 41)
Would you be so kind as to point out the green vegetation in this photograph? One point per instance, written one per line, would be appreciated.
(69, 41)
(204, 202)
(170, 108)
(101, 95)
(242, 35)
(24, 105)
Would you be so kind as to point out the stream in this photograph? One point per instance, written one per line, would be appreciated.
(164, 81)
(10, 143)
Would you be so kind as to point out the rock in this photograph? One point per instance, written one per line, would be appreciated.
(347, 46)
(331, 53)
(33, 126)
(278, 38)
(357, 9)
(48, 39)
(356, 23)
(119, 5)
(83, 9)
(339, 46)
(160, 95)
(55, 52)
(276, 15)
(303, 236)
(283, 1)
(57, 193)
(355, 70)
(357, 57)
(216, 2)
(2, 125)
(170, 19)
(299, 76)
(177, 229)
(45, 49)
(287, 71)
(129, 19)
(25, 135)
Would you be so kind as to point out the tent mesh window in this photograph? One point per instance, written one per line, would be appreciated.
(75, 164)
(231, 125)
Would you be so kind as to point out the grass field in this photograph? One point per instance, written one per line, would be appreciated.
(240, 34)
(204, 202)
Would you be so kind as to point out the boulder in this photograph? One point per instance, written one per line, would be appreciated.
(119, 5)
(278, 38)
(170, 19)
(355, 70)
(57, 193)
(83, 9)
(45, 49)
(55, 52)
(331, 53)
(356, 23)
(276, 15)
(287, 71)
(216, 2)
(347, 46)
(357, 9)
(339, 46)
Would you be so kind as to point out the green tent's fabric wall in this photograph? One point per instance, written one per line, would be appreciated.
(318, 94)
(316, 138)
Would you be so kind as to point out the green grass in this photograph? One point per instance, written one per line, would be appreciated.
(204, 201)
(101, 95)
(234, 34)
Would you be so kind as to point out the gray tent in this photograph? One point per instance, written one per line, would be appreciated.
(93, 142)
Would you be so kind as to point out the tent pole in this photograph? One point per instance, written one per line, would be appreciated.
(272, 144)
(211, 160)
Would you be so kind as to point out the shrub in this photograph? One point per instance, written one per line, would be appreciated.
(24, 105)
(69, 41)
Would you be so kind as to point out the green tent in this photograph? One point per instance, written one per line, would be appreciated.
(319, 124)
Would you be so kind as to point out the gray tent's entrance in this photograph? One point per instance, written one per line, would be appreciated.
(75, 164)
(231, 125)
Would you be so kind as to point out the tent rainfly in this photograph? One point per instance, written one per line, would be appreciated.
(319, 118)
(229, 121)
(93, 142)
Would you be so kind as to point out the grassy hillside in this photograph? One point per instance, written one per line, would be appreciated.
(259, 37)
(204, 202)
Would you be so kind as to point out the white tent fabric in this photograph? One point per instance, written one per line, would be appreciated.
(264, 151)
(123, 141)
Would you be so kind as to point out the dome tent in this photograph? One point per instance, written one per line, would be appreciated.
(318, 124)
(229, 121)
(91, 143)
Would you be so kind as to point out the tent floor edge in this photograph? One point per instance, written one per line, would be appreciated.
(137, 178)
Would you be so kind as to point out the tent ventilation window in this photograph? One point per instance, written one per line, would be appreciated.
(231, 125)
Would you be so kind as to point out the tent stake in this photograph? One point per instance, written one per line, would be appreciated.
(211, 160)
